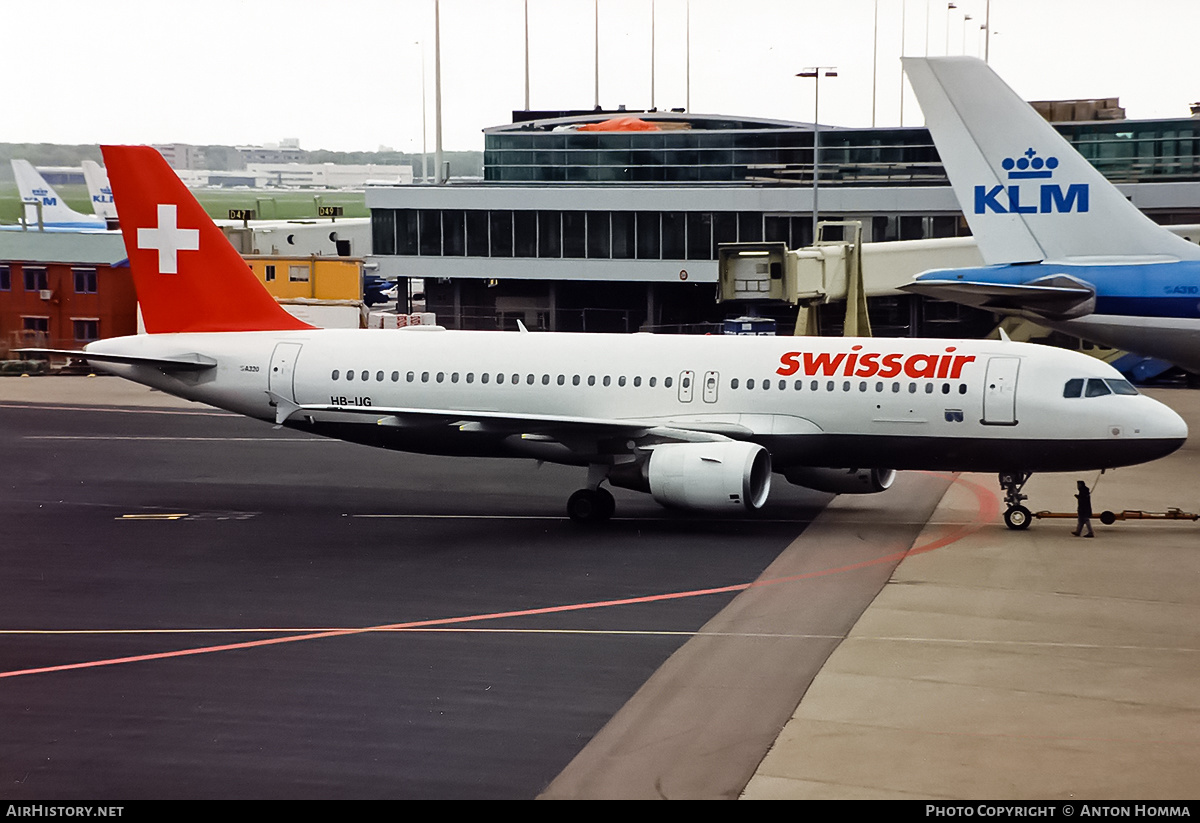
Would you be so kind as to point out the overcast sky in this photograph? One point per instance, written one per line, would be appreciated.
(346, 74)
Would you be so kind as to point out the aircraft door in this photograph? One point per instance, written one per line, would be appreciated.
(711, 381)
(1000, 391)
(281, 379)
(686, 379)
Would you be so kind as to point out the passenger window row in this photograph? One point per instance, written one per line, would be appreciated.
(499, 378)
(1097, 387)
(846, 385)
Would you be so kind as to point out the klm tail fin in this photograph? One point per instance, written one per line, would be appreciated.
(1026, 193)
(34, 189)
(98, 188)
(187, 276)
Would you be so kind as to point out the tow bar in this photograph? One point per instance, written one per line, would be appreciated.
(1108, 518)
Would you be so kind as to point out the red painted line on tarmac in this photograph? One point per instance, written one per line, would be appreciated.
(988, 508)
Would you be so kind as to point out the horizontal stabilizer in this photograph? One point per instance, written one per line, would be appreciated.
(1057, 298)
(191, 361)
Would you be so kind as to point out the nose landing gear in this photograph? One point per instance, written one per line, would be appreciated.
(1016, 516)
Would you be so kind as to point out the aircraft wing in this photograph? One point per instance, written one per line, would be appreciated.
(556, 427)
(1054, 298)
(583, 436)
(191, 361)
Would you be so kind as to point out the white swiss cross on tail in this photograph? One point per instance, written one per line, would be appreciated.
(168, 239)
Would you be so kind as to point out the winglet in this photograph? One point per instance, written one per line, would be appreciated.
(187, 276)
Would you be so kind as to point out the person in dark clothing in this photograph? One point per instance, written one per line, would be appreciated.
(1084, 510)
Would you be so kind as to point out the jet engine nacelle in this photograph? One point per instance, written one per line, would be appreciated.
(841, 481)
(710, 476)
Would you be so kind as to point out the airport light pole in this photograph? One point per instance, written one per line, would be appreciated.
(903, 20)
(987, 30)
(875, 64)
(596, 28)
(424, 126)
(526, 55)
(437, 96)
(926, 28)
(687, 60)
(949, 8)
(815, 72)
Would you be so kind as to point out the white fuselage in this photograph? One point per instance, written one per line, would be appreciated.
(974, 405)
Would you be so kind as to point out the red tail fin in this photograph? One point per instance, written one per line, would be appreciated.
(188, 278)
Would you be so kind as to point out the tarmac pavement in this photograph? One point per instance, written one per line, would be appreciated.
(993, 664)
(1028, 665)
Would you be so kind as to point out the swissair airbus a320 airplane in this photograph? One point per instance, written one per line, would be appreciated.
(699, 422)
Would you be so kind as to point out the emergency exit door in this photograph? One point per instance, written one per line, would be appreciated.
(686, 379)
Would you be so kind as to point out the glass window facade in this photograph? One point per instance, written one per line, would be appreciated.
(722, 150)
(616, 235)
(739, 152)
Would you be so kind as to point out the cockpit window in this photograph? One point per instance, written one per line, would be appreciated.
(1097, 387)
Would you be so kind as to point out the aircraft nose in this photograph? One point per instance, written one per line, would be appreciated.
(1173, 426)
(1163, 426)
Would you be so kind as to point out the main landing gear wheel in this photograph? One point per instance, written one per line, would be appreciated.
(1017, 517)
(591, 505)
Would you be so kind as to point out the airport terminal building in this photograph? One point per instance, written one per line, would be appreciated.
(611, 221)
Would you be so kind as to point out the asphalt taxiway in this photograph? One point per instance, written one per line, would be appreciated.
(196, 605)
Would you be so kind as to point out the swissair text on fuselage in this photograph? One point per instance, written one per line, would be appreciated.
(856, 363)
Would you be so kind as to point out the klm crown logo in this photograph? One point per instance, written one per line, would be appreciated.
(1029, 166)
(1049, 197)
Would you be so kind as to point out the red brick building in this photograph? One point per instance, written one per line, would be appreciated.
(63, 289)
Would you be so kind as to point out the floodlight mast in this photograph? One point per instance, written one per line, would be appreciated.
(816, 72)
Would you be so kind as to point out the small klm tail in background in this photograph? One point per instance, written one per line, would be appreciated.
(100, 190)
(36, 193)
(187, 276)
